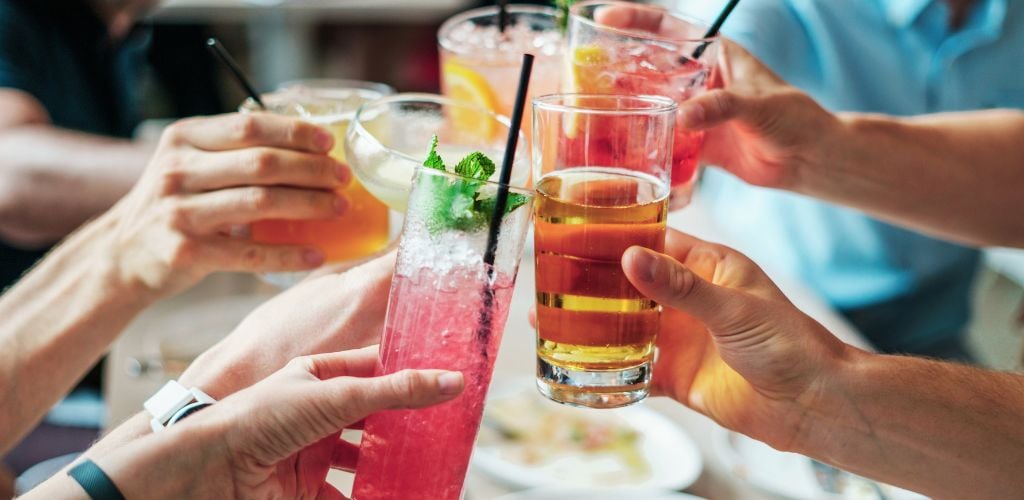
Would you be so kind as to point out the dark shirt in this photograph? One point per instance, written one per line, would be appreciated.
(59, 51)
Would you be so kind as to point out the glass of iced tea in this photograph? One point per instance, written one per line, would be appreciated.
(602, 171)
(364, 229)
(666, 55)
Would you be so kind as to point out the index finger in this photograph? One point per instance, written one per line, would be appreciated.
(238, 131)
(630, 17)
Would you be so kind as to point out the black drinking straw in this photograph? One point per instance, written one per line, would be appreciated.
(699, 51)
(502, 15)
(501, 198)
(218, 50)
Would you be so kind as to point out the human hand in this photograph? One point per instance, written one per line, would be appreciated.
(330, 313)
(278, 438)
(759, 128)
(731, 345)
(210, 174)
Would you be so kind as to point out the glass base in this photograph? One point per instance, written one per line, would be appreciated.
(593, 389)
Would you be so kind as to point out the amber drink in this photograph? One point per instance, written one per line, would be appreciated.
(595, 331)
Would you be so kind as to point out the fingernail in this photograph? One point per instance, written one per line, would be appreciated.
(313, 257)
(646, 264)
(450, 383)
(691, 114)
(323, 140)
(340, 204)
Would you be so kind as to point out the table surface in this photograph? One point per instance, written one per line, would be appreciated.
(125, 393)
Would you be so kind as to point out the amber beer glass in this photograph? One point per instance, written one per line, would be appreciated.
(602, 168)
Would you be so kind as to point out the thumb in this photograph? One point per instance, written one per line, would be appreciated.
(712, 109)
(355, 398)
(724, 311)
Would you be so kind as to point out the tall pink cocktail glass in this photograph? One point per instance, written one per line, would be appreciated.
(447, 310)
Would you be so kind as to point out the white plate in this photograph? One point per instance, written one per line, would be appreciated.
(674, 458)
(592, 494)
(788, 475)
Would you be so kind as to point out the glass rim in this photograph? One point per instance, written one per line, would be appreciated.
(327, 86)
(574, 15)
(356, 126)
(300, 92)
(558, 103)
(525, 191)
(492, 10)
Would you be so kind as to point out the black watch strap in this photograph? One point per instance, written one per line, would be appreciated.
(95, 482)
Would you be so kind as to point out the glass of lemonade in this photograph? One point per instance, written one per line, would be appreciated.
(364, 229)
(447, 310)
(480, 64)
(388, 140)
(659, 61)
(602, 167)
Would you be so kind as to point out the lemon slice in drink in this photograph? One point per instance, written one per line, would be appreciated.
(466, 85)
(588, 74)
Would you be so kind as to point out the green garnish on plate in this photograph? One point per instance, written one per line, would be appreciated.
(458, 203)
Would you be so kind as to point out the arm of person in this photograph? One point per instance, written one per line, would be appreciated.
(271, 440)
(52, 180)
(955, 175)
(755, 364)
(164, 236)
(943, 429)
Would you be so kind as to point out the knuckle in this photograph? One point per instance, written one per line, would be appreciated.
(405, 385)
(178, 215)
(186, 253)
(174, 134)
(265, 164)
(262, 199)
(246, 127)
(681, 282)
(296, 131)
(722, 102)
(254, 257)
(302, 364)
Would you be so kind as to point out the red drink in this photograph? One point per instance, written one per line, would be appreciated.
(634, 62)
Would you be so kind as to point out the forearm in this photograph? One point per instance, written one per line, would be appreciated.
(53, 180)
(57, 322)
(955, 175)
(942, 429)
(168, 465)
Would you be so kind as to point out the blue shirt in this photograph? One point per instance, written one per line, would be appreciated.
(906, 292)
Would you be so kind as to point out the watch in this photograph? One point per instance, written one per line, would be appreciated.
(174, 402)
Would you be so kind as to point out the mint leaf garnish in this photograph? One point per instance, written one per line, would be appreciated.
(434, 160)
(477, 166)
(563, 13)
(457, 203)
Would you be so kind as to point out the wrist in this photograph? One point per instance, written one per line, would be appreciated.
(831, 416)
(171, 464)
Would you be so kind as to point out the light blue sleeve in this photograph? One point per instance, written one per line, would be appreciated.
(771, 30)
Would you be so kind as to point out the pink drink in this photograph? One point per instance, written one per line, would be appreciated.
(433, 322)
(635, 62)
(679, 80)
(447, 310)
